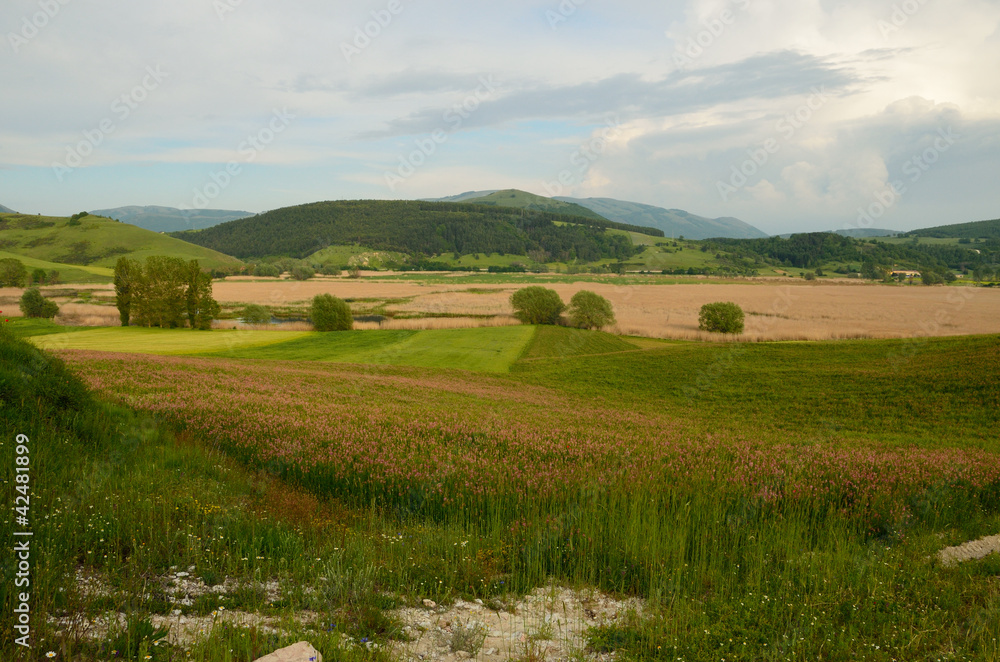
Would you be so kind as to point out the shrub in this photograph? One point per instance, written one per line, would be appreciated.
(33, 304)
(255, 314)
(721, 318)
(38, 276)
(330, 270)
(537, 305)
(328, 313)
(266, 271)
(588, 310)
(302, 272)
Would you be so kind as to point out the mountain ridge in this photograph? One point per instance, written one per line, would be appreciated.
(158, 218)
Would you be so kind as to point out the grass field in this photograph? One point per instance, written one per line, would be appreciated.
(68, 273)
(95, 242)
(159, 341)
(772, 501)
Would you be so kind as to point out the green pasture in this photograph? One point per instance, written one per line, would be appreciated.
(68, 273)
(160, 341)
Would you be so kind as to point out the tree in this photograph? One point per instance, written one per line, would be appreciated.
(12, 273)
(38, 276)
(931, 277)
(722, 317)
(537, 305)
(256, 315)
(328, 313)
(161, 300)
(266, 271)
(34, 305)
(302, 272)
(201, 306)
(588, 310)
(128, 277)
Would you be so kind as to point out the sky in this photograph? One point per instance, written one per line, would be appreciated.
(792, 115)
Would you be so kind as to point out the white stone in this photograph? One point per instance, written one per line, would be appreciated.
(300, 652)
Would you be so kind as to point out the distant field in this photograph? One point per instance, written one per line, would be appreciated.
(483, 350)
(161, 341)
(653, 307)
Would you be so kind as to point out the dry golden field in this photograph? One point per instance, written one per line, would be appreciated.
(778, 309)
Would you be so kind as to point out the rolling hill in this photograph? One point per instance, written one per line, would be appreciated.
(94, 241)
(673, 222)
(170, 219)
(523, 200)
(977, 230)
(418, 228)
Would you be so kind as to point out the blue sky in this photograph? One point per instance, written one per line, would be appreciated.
(792, 115)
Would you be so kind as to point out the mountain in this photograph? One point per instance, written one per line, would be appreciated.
(524, 200)
(418, 228)
(977, 230)
(169, 219)
(673, 222)
(6, 210)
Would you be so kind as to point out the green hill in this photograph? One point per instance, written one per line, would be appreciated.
(418, 228)
(523, 200)
(977, 230)
(93, 241)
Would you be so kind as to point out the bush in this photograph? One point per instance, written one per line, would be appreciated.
(588, 310)
(328, 313)
(302, 272)
(330, 270)
(721, 318)
(537, 305)
(266, 271)
(38, 277)
(254, 314)
(33, 304)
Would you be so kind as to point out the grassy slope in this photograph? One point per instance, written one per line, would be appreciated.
(905, 392)
(68, 273)
(56, 242)
(555, 342)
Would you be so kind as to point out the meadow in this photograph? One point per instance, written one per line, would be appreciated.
(766, 501)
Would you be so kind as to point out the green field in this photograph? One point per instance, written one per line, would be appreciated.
(94, 242)
(157, 341)
(68, 273)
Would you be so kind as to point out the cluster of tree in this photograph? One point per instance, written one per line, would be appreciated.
(417, 228)
(12, 273)
(166, 292)
(328, 313)
(540, 305)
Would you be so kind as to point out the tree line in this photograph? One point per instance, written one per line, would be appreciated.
(164, 292)
(418, 228)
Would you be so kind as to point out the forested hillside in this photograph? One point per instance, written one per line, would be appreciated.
(418, 228)
(978, 230)
(808, 251)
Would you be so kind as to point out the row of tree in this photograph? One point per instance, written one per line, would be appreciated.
(165, 292)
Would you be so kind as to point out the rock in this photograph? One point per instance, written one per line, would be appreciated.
(300, 652)
(430, 604)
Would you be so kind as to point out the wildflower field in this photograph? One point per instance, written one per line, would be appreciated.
(770, 502)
